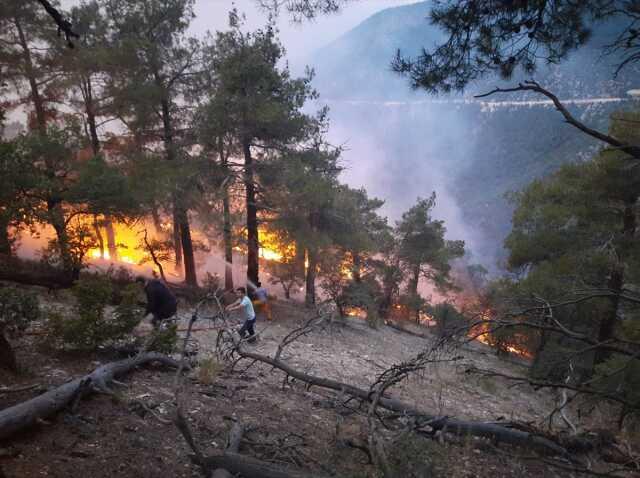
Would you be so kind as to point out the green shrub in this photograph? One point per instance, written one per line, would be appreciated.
(17, 310)
(90, 325)
(165, 339)
(448, 319)
(364, 295)
(413, 456)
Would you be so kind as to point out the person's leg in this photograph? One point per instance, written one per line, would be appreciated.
(252, 332)
(244, 329)
(155, 321)
(267, 309)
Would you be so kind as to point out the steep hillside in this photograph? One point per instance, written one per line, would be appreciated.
(131, 434)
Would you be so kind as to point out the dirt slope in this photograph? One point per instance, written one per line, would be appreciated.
(289, 424)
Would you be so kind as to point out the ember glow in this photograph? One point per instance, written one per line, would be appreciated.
(127, 244)
(482, 333)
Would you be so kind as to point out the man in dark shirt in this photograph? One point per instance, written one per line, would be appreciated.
(160, 301)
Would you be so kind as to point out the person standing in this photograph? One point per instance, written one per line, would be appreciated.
(261, 302)
(244, 303)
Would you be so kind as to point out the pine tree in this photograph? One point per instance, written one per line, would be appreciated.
(152, 64)
(263, 104)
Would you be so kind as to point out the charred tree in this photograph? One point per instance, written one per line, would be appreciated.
(310, 278)
(253, 239)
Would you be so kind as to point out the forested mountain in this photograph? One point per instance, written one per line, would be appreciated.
(470, 151)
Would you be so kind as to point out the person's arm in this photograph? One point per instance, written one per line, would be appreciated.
(235, 306)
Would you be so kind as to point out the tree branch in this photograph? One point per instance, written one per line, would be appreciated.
(631, 150)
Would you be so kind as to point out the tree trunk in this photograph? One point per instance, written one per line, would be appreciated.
(187, 248)
(357, 266)
(96, 229)
(87, 93)
(177, 241)
(181, 229)
(413, 288)
(29, 413)
(248, 467)
(5, 238)
(608, 322)
(252, 217)
(616, 280)
(157, 224)
(36, 99)
(310, 296)
(56, 219)
(228, 240)
(7, 355)
(112, 245)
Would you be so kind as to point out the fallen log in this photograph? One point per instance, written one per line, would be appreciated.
(399, 328)
(230, 463)
(248, 467)
(233, 446)
(29, 413)
(454, 426)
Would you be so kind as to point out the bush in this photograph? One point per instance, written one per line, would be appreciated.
(208, 369)
(17, 310)
(91, 326)
(448, 319)
(364, 295)
(164, 340)
(414, 456)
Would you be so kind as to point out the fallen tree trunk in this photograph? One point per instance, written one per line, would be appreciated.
(450, 425)
(235, 437)
(248, 467)
(230, 463)
(27, 414)
(51, 279)
(399, 328)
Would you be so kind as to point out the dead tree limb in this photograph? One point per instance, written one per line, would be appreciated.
(154, 257)
(64, 25)
(20, 388)
(450, 425)
(29, 413)
(235, 437)
(251, 467)
(233, 446)
(399, 328)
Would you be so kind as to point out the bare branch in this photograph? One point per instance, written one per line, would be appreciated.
(631, 150)
(63, 24)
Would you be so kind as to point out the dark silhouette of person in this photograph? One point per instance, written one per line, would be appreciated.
(161, 303)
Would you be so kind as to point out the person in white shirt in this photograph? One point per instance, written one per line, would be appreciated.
(244, 303)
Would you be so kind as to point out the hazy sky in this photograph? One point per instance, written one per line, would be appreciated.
(298, 38)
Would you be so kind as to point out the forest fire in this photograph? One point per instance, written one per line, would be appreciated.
(123, 244)
(355, 312)
(513, 343)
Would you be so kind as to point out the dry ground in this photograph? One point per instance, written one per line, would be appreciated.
(289, 424)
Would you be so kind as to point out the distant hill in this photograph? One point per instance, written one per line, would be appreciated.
(405, 143)
(357, 65)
